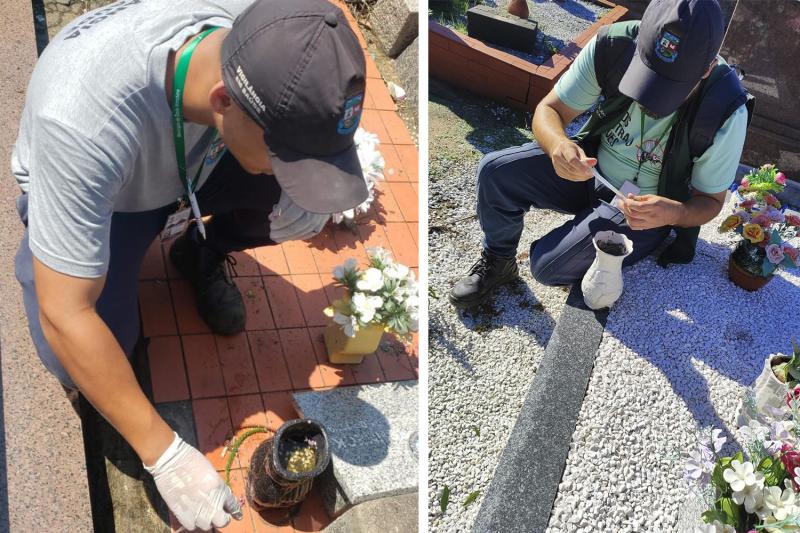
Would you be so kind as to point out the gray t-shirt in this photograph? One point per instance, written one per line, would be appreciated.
(95, 135)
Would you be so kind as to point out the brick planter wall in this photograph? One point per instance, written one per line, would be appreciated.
(471, 64)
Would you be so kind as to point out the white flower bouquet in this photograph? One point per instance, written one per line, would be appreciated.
(758, 488)
(372, 165)
(384, 294)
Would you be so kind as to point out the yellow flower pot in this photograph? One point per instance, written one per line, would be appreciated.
(351, 350)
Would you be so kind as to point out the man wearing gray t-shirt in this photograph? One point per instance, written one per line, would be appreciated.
(141, 118)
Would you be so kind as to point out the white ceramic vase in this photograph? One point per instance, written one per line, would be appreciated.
(602, 284)
(769, 391)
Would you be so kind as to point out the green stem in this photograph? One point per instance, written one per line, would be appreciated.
(235, 448)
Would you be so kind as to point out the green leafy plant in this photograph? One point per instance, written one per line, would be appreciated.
(789, 372)
(444, 499)
(471, 498)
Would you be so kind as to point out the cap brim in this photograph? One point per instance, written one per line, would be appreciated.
(658, 94)
(324, 185)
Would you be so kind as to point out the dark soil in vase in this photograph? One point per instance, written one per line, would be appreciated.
(612, 248)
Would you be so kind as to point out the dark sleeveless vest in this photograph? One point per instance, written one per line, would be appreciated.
(698, 120)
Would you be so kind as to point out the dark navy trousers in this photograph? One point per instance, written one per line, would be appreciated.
(513, 180)
(240, 204)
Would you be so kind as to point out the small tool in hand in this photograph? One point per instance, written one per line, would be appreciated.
(605, 182)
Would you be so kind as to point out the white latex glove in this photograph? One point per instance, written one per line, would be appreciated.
(192, 489)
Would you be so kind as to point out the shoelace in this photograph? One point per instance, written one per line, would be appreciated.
(481, 266)
(230, 268)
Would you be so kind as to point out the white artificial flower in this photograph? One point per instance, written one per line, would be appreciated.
(717, 441)
(740, 475)
(340, 271)
(349, 323)
(752, 495)
(783, 528)
(780, 502)
(714, 527)
(381, 254)
(396, 271)
(366, 306)
(371, 280)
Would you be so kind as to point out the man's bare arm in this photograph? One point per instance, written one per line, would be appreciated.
(549, 120)
(95, 361)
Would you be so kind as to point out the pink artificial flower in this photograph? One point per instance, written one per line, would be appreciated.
(792, 252)
(793, 394)
(747, 204)
(771, 200)
(792, 220)
(790, 459)
(762, 220)
(745, 183)
(774, 253)
(780, 178)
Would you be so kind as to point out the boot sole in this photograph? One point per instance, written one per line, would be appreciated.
(461, 303)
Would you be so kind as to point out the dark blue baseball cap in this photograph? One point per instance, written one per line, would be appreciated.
(298, 70)
(677, 41)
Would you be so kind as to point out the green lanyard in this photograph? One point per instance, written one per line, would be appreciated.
(177, 125)
(641, 144)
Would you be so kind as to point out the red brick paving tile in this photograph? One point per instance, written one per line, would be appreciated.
(271, 370)
(398, 133)
(324, 248)
(385, 206)
(394, 360)
(313, 299)
(300, 359)
(283, 300)
(299, 257)
(279, 407)
(333, 289)
(271, 260)
(369, 371)
(415, 186)
(409, 156)
(313, 516)
(333, 375)
(237, 365)
(348, 244)
(371, 121)
(393, 169)
(374, 236)
(380, 95)
(245, 525)
(369, 103)
(372, 69)
(213, 424)
(403, 245)
(246, 264)
(167, 372)
(202, 365)
(156, 309)
(413, 227)
(267, 522)
(407, 200)
(247, 411)
(189, 320)
(259, 314)
(153, 263)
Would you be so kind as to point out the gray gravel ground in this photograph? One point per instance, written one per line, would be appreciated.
(480, 364)
(679, 349)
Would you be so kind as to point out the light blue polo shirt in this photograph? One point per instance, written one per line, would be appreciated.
(621, 147)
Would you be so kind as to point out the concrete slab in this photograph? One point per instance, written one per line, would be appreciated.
(526, 480)
(43, 441)
(396, 24)
(397, 514)
(371, 433)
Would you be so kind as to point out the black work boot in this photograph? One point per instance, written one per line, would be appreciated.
(219, 301)
(488, 273)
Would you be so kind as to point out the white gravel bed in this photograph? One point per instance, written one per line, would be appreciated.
(679, 349)
(480, 365)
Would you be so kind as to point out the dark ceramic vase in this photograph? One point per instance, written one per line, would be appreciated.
(744, 267)
(269, 484)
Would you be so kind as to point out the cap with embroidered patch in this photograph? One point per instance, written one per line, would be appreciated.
(677, 41)
(299, 72)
